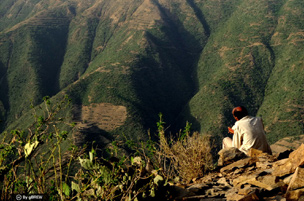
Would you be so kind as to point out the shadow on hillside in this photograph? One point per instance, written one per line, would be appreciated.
(4, 99)
(48, 55)
(165, 77)
(90, 136)
(200, 16)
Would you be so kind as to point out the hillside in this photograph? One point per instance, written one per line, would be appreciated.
(124, 62)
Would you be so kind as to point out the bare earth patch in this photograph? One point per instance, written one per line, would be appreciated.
(146, 16)
(104, 115)
(295, 38)
(255, 24)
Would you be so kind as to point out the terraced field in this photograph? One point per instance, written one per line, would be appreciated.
(106, 116)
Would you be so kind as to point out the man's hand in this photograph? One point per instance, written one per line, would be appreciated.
(230, 130)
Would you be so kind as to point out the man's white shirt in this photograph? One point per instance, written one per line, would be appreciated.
(249, 133)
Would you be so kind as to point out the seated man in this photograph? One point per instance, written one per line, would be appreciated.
(248, 132)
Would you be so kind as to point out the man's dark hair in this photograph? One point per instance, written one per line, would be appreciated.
(239, 112)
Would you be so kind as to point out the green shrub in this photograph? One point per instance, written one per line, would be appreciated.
(32, 161)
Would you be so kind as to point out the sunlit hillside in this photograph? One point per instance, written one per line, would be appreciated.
(124, 62)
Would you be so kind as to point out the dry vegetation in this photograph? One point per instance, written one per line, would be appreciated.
(187, 157)
(190, 157)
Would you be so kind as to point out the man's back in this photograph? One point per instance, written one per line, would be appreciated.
(249, 133)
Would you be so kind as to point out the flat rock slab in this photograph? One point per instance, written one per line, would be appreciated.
(239, 164)
(268, 182)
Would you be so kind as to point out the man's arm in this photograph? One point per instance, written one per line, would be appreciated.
(230, 130)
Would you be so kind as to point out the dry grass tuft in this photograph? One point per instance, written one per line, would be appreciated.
(189, 156)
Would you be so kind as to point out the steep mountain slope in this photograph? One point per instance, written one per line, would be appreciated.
(254, 59)
(123, 62)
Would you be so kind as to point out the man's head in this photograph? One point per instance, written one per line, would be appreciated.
(239, 112)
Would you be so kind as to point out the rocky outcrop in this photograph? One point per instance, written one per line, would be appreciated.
(258, 176)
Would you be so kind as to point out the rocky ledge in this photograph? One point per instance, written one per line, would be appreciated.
(258, 176)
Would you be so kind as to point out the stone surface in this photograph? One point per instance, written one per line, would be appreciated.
(297, 156)
(296, 195)
(246, 190)
(230, 155)
(239, 181)
(215, 192)
(250, 197)
(289, 165)
(263, 165)
(223, 181)
(261, 177)
(268, 182)
(287, 180)
(198, 188)
(297, 180)
(264, 157)
(282, 167)
(238, 171)
(238, 164)
(233, 195)
(280, 162)
(254, 152)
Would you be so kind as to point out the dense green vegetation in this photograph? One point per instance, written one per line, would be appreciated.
(191, 60)
(42, 160)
